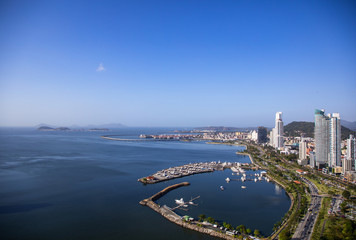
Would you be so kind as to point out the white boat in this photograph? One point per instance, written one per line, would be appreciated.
(243, 187)
(255, 179)
(179, 201)
(222, 188)
(191, 203)
(227, 179)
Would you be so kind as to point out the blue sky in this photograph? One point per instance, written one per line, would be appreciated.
(175, 63)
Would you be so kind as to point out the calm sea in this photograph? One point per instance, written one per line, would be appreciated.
(76, 185)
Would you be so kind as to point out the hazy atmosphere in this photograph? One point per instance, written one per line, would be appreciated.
(175, 63)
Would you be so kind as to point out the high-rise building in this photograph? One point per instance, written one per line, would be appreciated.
(302, 152)
(276, 135)
(335, 140)
(254, 135)
(262, 134)
(327, 134)
(312, 161)
(321, 131)
(346, 165)
(302, 149)
(351, 149)
(271, 138)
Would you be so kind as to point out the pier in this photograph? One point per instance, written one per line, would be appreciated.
(169, 214)
(186, 170)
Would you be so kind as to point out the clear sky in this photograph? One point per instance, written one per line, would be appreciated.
(175, 63)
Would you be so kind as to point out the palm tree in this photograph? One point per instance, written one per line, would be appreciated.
(201, 217)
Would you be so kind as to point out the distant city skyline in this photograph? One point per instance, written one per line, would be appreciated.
(175, 63)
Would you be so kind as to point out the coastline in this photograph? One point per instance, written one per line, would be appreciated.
(276, 233)
(170, 215)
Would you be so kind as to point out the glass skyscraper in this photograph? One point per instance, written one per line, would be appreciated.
(327, 134)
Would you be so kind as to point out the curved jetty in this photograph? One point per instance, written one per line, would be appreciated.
(167, 212)
(163, 192)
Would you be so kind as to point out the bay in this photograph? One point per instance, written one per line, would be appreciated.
(76, 185)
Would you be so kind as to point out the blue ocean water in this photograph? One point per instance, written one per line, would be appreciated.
(76, 185)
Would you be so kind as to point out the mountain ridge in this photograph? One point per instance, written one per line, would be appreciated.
(299, 128)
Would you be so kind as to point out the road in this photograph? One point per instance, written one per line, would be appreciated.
(305, 227)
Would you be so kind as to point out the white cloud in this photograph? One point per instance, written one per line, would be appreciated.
(100, 68)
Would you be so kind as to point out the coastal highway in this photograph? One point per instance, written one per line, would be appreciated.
(305, 227)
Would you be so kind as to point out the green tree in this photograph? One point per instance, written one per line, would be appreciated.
(284, 235)
(248, 231)
(346, 194)
(343, 207)
(201, 217)
(256, 232)
(241, 228)
(210, 219)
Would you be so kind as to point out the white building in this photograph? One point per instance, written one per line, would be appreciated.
(350, 152)
(276, 135)
(303, 149)
(335, 140)
(254, 135)
(327, 135)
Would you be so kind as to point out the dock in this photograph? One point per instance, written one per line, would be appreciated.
(190, 169)
(169, 214)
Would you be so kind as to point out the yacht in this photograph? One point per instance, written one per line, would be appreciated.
(222, 188)
(243, 187)
(227, 179)
(179, 201)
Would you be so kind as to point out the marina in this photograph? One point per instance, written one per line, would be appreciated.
(197, 168)
(186, 221)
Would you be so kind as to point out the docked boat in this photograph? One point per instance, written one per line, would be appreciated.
(179, 201)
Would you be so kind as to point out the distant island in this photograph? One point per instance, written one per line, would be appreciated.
(46, 128)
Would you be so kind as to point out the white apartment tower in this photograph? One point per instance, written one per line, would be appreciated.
(327, 134)
(276, 134)
(351, 148)
(335, 140)
(302, 149)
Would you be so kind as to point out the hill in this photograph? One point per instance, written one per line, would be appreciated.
(350, 125)
(297, 129)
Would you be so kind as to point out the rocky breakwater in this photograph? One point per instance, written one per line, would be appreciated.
(175, 218)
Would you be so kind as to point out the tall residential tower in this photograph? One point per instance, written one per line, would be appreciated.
(276, 135)
(351, 149)
(327, 134)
